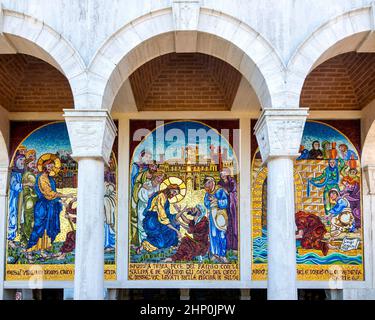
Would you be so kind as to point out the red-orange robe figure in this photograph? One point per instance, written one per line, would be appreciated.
(311, 231)
(197, 244)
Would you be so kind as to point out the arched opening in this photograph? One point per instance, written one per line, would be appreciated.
(235, 86)
(343, 82)
(351, 31)
(338, 88)
(22, 34)
(237, 44)
(29, 84)
(32, 82)
(186, 81)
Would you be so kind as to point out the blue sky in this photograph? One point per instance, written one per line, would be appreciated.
(322, 132)
(173, 136)
(49, 139)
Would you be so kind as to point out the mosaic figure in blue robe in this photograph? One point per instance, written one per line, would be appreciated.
(14, 195)
(216, 202)
(346, 154)
(342, 219)
(47, 209)
(159, 224)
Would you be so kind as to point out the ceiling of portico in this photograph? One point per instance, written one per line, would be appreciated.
(185, 81)
(344, 82)
(28, 84)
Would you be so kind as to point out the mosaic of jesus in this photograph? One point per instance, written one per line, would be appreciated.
(184, 197)
(42, 210)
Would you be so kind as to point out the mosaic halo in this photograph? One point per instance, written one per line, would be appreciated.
(49, 156)
(180, 183)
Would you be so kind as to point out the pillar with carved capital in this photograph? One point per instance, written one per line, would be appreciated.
(279, 133)
(3, 214)
(91, 133)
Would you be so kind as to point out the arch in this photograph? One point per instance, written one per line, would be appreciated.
(36, 38)
(217, 34)
(328, 35)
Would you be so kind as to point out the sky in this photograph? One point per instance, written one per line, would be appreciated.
(170, 138)
(49, 139)
(322, 132)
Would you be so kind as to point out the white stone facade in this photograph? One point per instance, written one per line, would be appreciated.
(98, 44)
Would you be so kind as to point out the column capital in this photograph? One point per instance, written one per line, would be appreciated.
(279, 132)
(4, 173)
(91, 133)
(369, 172)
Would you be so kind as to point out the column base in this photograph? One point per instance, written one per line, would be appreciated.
(359, 294)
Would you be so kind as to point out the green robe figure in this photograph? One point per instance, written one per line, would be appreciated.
(329, 179)
(29, 199)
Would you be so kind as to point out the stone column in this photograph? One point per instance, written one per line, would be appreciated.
(184, 294)
(279, 133)
(4, 171)
(112, 294)
(245, 294)
(27, 294)
(91, 133)
(334, 294)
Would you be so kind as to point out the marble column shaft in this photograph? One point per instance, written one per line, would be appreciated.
(91, 133)
(279, 133)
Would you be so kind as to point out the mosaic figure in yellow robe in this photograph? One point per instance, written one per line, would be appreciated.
(29, 196)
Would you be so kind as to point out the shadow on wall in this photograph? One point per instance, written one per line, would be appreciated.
(4, 126)
(368, 154)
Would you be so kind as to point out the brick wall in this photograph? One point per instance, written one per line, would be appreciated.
(12, 68)
(28, 84)
(361, 68)
(345, 82)
(329, 87)
(189, 81)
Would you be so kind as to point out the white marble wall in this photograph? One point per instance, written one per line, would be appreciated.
(285, 24)
(289, 37)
